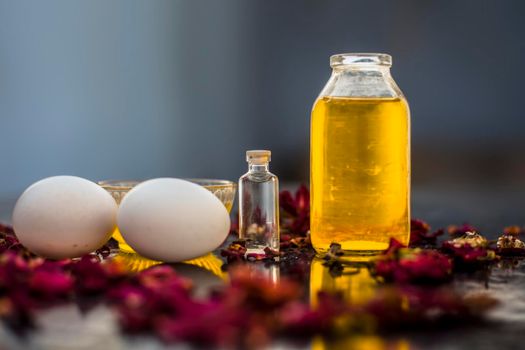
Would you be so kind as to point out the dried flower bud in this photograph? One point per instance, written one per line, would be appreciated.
(507, 241)
(512, 230)
(335, 250)
(420, 235)
(473, 239)
(458, 231)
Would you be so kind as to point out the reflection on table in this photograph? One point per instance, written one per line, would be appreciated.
(136, 263)
(360, 342)
(354, 282)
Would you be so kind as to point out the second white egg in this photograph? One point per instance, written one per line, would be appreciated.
(172, 220)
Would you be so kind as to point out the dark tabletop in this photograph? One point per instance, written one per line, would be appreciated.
(489, 209)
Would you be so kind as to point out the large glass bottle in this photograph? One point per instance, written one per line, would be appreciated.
(360, 157)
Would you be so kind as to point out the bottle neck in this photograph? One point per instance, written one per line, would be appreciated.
(258, 168)
(362, 69)
(361, 81)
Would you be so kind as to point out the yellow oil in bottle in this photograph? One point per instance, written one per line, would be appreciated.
(360, 173)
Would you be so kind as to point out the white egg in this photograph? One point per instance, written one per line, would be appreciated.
(172, 220)
(64, 217)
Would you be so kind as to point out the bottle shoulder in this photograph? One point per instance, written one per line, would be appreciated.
(258, 177)
(361, 84)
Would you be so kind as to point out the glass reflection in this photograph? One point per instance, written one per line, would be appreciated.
(136, 263)
(362, 342)
(258, 269)
(208, 262)
(357, 287)
(353, 282)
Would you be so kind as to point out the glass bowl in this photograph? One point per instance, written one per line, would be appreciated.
(222, 189)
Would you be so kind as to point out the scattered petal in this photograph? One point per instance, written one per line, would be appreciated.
(420, 235)
(458, 231)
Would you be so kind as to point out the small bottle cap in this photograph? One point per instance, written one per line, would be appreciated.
(258, 157)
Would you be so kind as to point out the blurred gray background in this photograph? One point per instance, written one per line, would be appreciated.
(139, 89)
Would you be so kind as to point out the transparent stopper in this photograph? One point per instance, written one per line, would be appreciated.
(258, 157)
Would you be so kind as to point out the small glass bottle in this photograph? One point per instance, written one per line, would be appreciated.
(259, 204)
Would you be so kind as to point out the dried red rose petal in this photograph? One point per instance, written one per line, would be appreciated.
(234, 252)
(467, 257)
(394, 247)
(298, 318)
(404, 265)
(6, 229)
(204, 324)
(458, 231)
(136, 307)
(14, 270)
(50, 281)
(159, 277)
(420, 235)
(301, 242)
(90, 276)
(295, 216)
(261, 292)
(8, 241)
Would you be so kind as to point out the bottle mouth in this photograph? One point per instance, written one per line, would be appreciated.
(361, 59)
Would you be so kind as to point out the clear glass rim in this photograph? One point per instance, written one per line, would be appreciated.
(213, 183)
(361, 59)
(118, 185)
(126, 185)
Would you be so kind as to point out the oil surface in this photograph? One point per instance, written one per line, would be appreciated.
(360, 173)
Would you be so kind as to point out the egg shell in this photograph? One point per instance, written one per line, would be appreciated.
(64, 217)
(172, 220)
